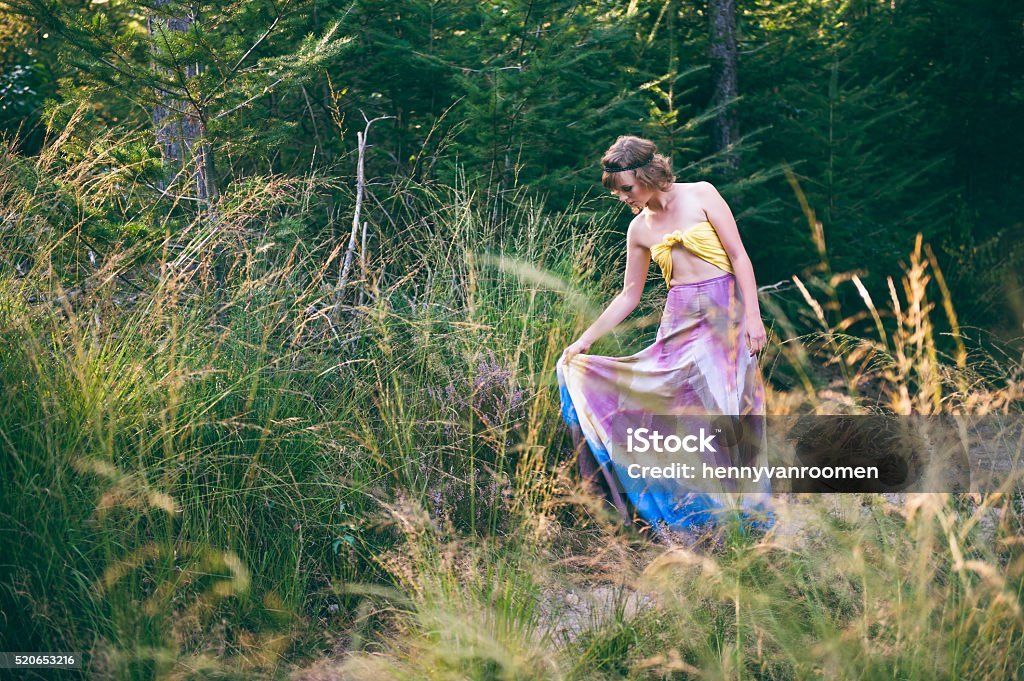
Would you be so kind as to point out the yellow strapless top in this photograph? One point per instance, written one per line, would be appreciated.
(701, 240)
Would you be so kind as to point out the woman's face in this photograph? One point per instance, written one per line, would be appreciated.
(631, 192)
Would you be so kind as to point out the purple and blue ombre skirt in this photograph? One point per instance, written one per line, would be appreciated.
(662, 427)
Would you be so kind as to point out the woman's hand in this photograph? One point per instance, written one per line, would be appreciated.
(582, 345)
(757, 337)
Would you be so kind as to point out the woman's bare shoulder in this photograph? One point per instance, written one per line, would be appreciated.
(703, 188)
(696, 188)
(635, 233)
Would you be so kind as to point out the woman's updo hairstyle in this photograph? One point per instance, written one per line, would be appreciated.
(640, 155)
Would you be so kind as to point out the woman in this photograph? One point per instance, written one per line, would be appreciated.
(698, 382)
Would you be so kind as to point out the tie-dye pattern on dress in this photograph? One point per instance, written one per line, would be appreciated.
(697, 374)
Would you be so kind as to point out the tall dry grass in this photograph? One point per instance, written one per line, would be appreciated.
(914, 586)
(218, 465)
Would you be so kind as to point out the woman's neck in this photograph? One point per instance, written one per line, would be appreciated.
(660, 202)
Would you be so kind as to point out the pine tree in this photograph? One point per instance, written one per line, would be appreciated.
(722, 56)
(199, 69)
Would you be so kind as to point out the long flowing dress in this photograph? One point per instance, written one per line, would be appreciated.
(697, 379)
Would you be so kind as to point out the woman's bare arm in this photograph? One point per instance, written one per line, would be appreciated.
(720, 215)
(638, 260)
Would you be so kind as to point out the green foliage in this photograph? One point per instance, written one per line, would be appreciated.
(888, 133)
(212, 455)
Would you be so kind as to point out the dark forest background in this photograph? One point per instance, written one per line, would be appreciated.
(895, 117)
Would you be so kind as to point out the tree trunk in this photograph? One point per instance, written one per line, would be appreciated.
(723, 73)
(179, 123)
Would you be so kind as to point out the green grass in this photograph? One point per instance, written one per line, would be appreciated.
(225, 475)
